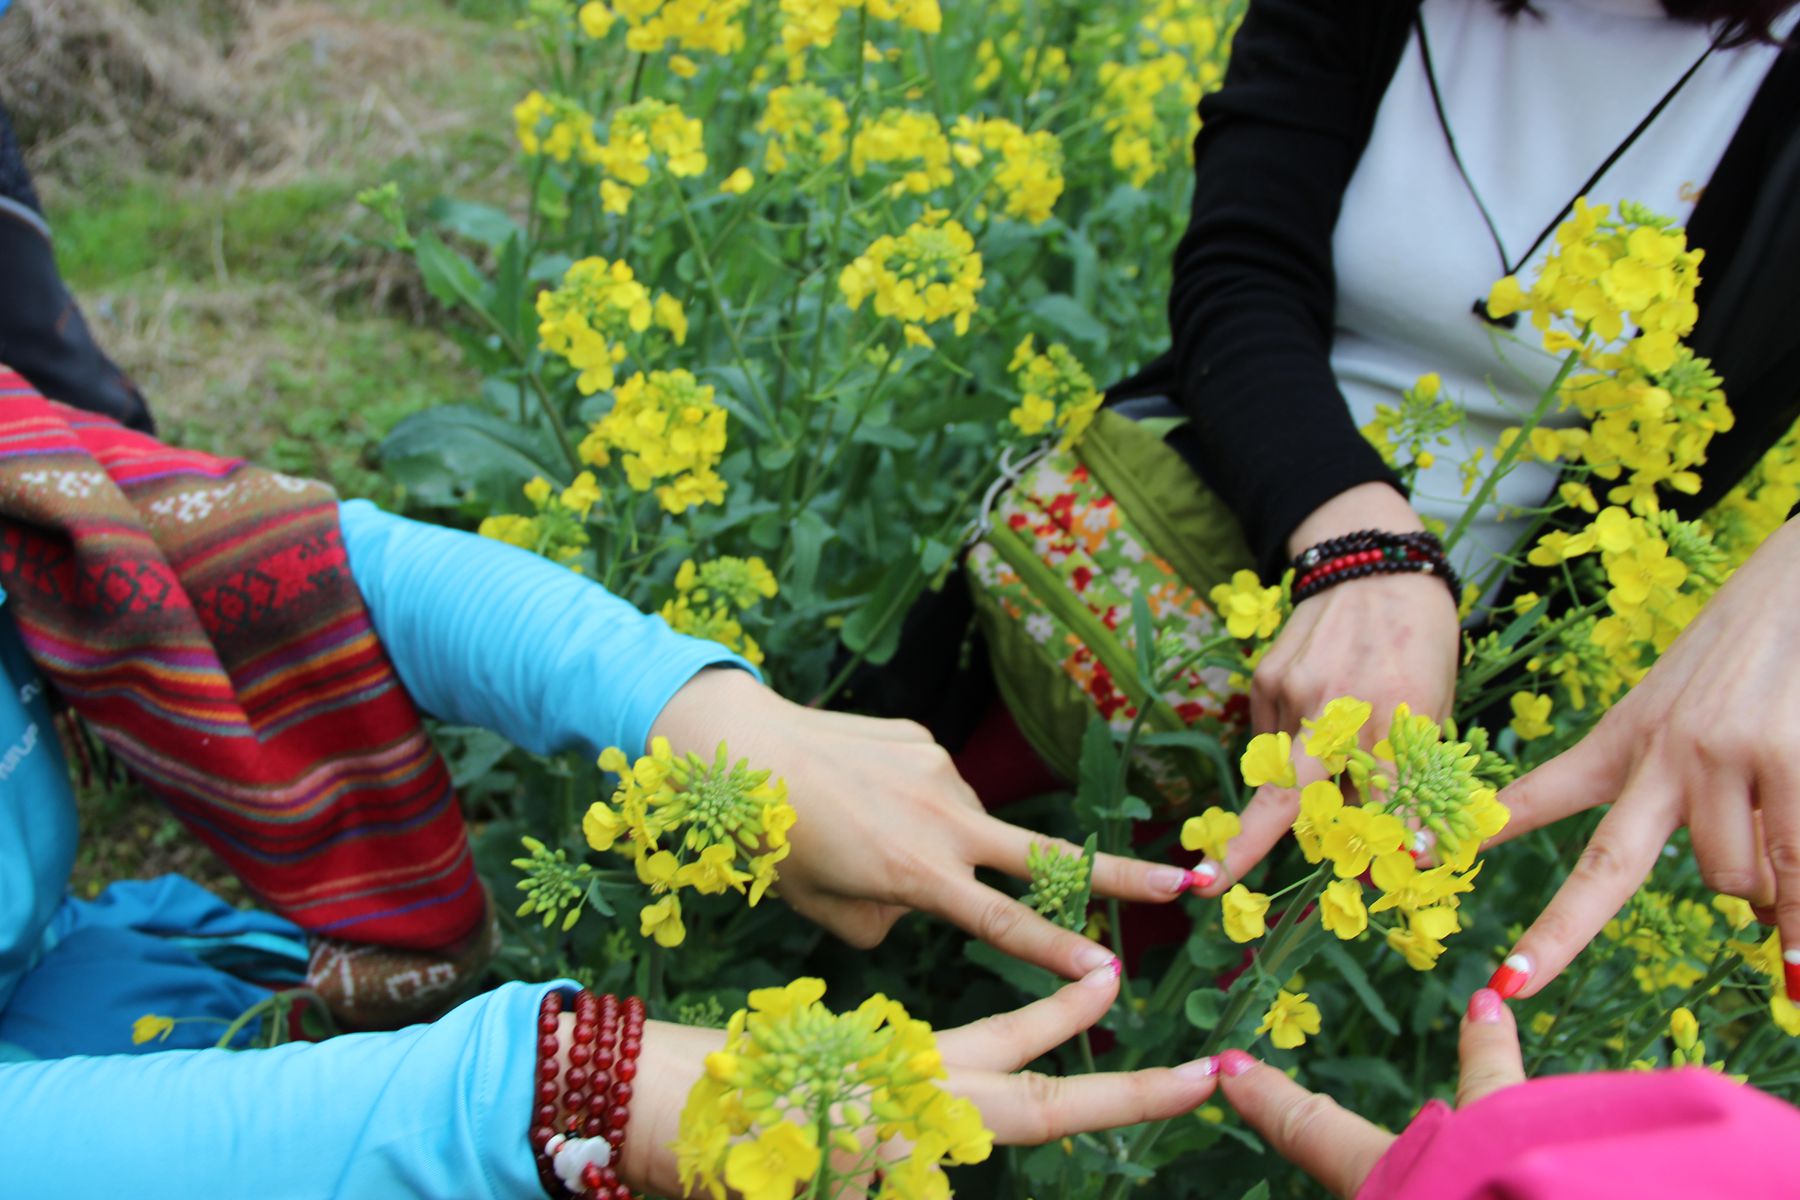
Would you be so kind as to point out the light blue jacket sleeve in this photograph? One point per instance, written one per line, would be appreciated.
(433, 1111)
(486, 634)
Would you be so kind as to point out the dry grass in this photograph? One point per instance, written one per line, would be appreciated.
(199, 159)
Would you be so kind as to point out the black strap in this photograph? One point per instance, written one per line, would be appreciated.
(1509, 267)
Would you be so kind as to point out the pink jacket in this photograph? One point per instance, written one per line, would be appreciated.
(1635, 1136)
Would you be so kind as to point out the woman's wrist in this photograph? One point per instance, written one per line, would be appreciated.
(1365, 506)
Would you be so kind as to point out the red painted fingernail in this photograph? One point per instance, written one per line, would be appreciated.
(1204, 875)
(1511, 976)
(1485, 1006)
(1790, 967)
(1116, 967)
(1235, 1062)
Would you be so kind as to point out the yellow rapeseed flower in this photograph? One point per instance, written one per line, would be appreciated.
(1269, 761)
(1290, 1020)
(1245, 911)
(1211, 832)
(1341, 909)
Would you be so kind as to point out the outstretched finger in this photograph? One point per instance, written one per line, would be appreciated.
(1333, 1145)
(1618, 858)
(1591, 772)
(1029, 1109)
(1007, 1041)
(1778, 796)
(1008, 848)
(1012, 928)
(1265, 821)
(1489, 1049)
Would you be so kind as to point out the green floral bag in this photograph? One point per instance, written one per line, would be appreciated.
(1062, 551)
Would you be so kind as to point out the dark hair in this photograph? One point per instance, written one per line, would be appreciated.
(1741, 22)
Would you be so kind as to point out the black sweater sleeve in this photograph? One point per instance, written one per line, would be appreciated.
(1251, 307)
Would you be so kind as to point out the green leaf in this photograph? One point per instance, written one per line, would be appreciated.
(1340, 957)
(1259, 1192)
(1225, 771)
(809, 536)
(1515, 631)
(885, 435)
(874, 629)
(1033, 981)
(1362, 1071)
(1070, 318)
(1204, 1007)
(1098, 772)
(444, 455)
(1213, 953)
(450, 277)
(1143, 631)
(483, 223)
(597, 898)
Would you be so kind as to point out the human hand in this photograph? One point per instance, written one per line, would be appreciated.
(1705, 740)
(1385, 639)
(983, 1060)
(886, 825)
(1339, 1148)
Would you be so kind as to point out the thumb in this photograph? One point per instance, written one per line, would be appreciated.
(1489, 1049)
(1591, 772)
(1334, 1146)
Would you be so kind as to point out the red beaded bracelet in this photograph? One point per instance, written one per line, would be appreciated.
(579, 1114)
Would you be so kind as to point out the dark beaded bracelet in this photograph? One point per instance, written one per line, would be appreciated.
(1371, 552)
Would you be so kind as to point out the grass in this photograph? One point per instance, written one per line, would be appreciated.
(228, 274)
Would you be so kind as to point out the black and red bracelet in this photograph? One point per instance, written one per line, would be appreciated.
(579, 1114)
(1371, 552)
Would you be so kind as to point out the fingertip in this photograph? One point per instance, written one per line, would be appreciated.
(1235, 1063)
(1200, 1071)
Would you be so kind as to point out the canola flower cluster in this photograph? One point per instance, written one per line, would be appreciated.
(928, 274)
(642, 134)
(813, 24)
(1422, 789)
(555, 127)
(1027, 168)
(686, 823)
(1151, 98)
(669, 434)
(1617, 293)
(1059, 884)
(558, 531)
(709, 599)
(797, 1083)
(593, 317)
(807, 128)
(1055, 392)
(1404, 433)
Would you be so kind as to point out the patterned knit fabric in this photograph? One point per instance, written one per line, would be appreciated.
(199, 614)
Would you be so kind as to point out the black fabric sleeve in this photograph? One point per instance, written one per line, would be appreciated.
(1251, 307)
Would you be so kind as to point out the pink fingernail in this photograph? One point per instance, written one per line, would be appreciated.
(1204, 875)
(1485, 1006)
(1513, 974)
(1235, 1062)
(1174, 880)
(1200, 1068)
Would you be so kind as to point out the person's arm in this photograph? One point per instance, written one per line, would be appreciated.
(483, 633)
(1252, 313)
(434, 1110)
(1252, 304)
